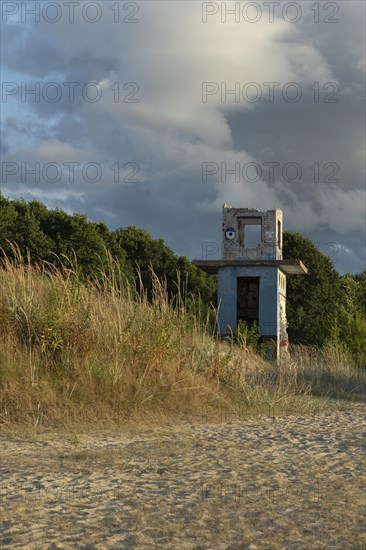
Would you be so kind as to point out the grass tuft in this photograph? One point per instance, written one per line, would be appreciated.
(74, 353)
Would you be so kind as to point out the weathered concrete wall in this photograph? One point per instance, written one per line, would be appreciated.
(235, 245)
(283, 335)
(269, 307)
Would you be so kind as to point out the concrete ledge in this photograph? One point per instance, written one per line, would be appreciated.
(291, 267)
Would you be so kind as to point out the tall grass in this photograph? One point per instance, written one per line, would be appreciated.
(101, 352)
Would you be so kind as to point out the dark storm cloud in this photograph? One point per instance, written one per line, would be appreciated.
(169, 132)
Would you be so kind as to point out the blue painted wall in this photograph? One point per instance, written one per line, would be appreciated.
(268, 303)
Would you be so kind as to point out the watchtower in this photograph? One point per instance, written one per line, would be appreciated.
(252, 275)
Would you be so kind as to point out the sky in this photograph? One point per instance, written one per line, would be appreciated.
(156, 113)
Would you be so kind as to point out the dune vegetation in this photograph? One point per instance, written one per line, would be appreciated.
(77, 352)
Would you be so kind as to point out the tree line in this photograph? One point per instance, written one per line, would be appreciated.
(323, 307)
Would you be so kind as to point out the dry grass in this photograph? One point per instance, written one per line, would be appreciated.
(73, 353)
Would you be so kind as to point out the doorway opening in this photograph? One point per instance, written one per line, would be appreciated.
(247, 308)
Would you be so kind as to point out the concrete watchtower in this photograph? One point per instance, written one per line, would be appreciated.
(252, 275)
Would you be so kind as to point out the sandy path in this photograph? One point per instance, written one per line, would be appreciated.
(295, 483)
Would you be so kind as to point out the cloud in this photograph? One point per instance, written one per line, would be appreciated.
(163, 61)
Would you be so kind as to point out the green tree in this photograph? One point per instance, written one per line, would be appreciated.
(198, 281)
(312, 299)
(145, 252)
(8, 217)
(59, 238)
(20, 225)
(360, 279)
(350, 326)
(77, 239)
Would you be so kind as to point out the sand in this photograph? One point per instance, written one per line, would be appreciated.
(294, 483)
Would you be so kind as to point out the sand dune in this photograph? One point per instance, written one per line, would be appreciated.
(294, 483)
